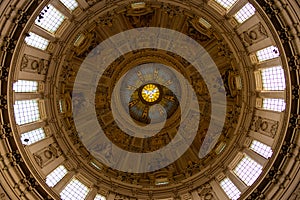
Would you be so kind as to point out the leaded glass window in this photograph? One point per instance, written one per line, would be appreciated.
(267, 53)
(274, 104)
(56, 175)
(26, 111)
(33, 136)
(74, 190)
(226, 3)
(36, 41)
(25, 86)
(248, 170)
(261, 148)
(70, 4)
(245, 13)
(273, 78)
(50, 19)
(230, 189)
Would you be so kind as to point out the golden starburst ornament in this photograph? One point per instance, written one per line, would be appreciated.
(150, 93)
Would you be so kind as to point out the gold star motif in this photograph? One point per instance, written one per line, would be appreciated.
(150, 93)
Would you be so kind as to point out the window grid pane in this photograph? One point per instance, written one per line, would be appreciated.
(230, 189)
(70, 4)
(99, 197)
(245, 13)
(273, 78)
(33, 136)
(56, 175)
(26, 111)
(248, 170)
(74, 190)
(226, 3)
(267, 53)
(274, 104)
(25, 86)
(50, 19)
(37, 41)
(261, 149)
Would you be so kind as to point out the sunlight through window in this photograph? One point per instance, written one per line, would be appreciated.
(74, 190)
(70, 4)
(267, 53)
(25, 86)
(26, 111)
(36, 41)
(248, 170)
(32, 136)
(226, 3)
(56, 175)
(99, 197)
(274, 104)
(245, 13)
(273, 78)
(50, 19)
(261, 149)
(230, 189)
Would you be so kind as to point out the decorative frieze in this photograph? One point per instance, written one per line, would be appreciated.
(254, 34)
(123, 197)
(172, 11)
(34, 65)
(206, 192)
(264, 126)
(107, 20)
(47, 155)
(92, 2)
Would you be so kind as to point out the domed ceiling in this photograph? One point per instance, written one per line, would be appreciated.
(141, 121)
(150, 100)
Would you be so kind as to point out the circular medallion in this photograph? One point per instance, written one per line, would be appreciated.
(150, 93)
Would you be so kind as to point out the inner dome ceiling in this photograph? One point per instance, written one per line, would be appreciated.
(189, 164)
